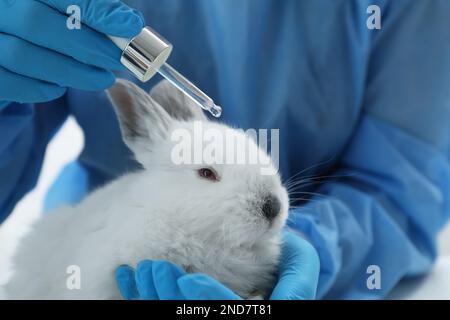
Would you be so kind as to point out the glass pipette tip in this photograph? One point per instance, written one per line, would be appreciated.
(190, 90)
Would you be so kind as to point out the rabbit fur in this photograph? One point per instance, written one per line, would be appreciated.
(164, 211)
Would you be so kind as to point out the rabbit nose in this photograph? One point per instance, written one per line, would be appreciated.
(271, 207)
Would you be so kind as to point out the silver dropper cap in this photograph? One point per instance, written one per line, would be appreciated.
(145, 54)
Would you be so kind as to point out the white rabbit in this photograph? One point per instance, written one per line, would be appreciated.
(223, 220)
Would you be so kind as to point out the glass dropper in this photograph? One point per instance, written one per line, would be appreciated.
(147, 53)
(197, 95)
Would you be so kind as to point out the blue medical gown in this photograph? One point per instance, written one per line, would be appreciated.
(368, 108)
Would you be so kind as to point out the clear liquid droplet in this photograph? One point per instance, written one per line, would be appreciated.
(215, 111)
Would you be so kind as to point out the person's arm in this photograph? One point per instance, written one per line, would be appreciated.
(396, 196)
(25, 131)
(386, 213)
(40, 58)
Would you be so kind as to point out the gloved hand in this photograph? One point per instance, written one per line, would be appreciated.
(153, 280)
(40, 56)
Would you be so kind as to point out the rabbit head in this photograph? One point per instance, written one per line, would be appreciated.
(231, 205)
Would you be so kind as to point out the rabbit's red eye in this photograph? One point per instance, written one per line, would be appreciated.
(207, 173)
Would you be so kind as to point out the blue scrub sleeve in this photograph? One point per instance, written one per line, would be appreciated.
(25, 130)
(386, 211)
(394, 196)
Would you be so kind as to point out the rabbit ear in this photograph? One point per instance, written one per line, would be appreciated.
(176, 103)
(142, 120)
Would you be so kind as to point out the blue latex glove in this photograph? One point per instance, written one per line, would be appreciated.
(298, 277)
(40, 56)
